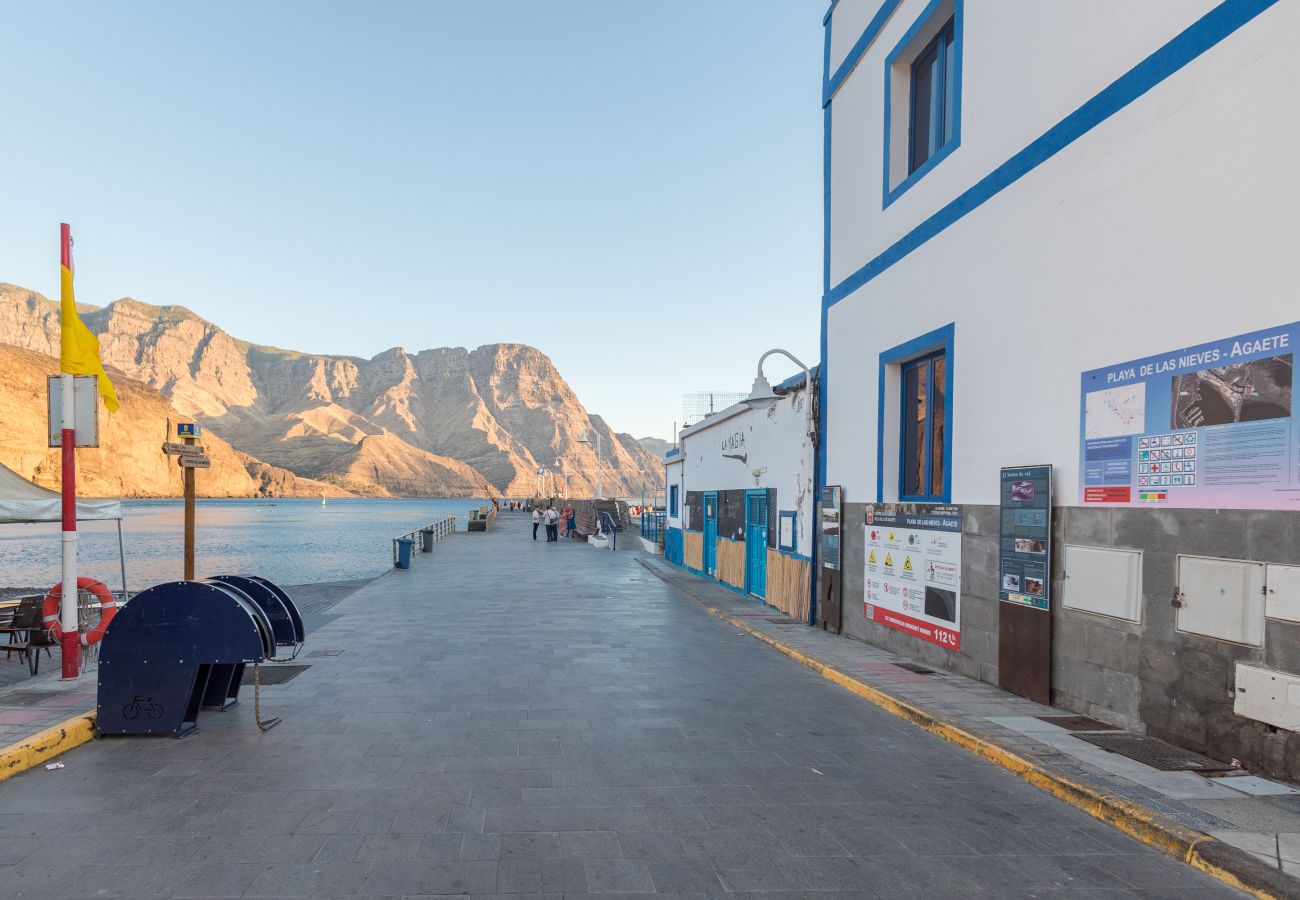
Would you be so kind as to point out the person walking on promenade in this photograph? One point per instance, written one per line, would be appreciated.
(567, 519)
(537, 520)
(552, 528)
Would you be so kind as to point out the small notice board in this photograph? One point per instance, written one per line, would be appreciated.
(1024, 570)
(1025, 583)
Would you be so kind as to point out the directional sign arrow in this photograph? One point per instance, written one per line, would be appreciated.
(182, 449)
(194, 462)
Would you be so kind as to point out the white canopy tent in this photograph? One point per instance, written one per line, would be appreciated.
(24, 502)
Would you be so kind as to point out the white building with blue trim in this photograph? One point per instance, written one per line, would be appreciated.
(1049, 228)
(741, 492)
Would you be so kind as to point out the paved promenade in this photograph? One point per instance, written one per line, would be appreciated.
(510, 717)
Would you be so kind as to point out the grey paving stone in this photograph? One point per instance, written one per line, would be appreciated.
(605, 876)
(590, 845)
(693, 761)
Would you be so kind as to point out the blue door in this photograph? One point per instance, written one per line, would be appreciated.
(756, 543)
(711, 534)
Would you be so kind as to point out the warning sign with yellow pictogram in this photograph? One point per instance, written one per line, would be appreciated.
(912, 570)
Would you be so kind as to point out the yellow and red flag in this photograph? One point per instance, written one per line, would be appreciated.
(78, 347)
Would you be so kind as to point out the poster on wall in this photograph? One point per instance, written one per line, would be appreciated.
(1210, 426)
(1025, 557)
(913, 570)
(831, 527)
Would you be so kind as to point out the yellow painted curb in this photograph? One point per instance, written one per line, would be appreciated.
(1130, 818)
(31, 752)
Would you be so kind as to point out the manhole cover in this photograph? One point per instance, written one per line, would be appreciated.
(1077, 723)
(27, 698)
(915, 668)
(1154, 753)
(274, 674)
(781, 620)
(326, 653)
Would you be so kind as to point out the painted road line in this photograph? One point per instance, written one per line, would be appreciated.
(1199, 850)
(31, 752)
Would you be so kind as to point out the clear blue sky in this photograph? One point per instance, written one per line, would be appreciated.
(632, 187)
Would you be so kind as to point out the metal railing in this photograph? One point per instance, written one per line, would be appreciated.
(440, 529)
(653, 526)
(609, 529)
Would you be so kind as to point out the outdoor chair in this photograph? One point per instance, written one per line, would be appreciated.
(27, 633)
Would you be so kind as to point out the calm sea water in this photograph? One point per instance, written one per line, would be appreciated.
(289, 541)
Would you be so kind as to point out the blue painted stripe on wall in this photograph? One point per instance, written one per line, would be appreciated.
(831, 83)
(1195, 40)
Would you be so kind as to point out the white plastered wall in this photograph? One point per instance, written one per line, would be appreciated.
(775, 442)
(1026, 65)
(1172, 223)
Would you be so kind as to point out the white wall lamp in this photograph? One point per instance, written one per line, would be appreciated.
(761, 396)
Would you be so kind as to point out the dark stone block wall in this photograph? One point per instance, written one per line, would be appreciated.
(1143, 676)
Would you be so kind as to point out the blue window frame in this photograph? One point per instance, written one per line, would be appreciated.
(930, 126)
(672, 501)
(924, 417)
(925, 413)
(791, 516)
(929, 106)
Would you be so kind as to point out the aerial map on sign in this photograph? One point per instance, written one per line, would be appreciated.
(1245, 392)
(1115, 411)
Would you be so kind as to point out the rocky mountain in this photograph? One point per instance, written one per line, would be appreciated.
(128, 461)
(656, 446)
(439, 422)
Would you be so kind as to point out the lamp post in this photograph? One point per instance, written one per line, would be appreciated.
(761, 396)
(586, 439)
(564, 476)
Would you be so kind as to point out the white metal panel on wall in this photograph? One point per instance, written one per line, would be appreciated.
(1103, 581)
(1268, 696)
(1221, 598)
(1282, 597)
(1060, 272)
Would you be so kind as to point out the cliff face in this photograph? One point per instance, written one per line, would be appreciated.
(435, 423)
(128, 461)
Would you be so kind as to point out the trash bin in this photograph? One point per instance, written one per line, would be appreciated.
(404, 547)
(426, 540)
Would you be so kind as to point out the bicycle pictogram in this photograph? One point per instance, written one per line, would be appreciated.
(146, 705)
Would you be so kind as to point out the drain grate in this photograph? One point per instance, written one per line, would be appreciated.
(1154, 753)
(1077, 723)
(915, 668)
(782, 620)
(326, 653)
(274, 674)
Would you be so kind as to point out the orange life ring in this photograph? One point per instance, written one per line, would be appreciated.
(107, 609)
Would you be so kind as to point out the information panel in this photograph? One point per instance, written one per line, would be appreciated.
(913, 570)
(831, 527)
(1210, 426)
(1024, 568)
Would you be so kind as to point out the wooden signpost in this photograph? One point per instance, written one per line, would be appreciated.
(190, 456)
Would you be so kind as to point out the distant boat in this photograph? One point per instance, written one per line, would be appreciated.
(322, 500)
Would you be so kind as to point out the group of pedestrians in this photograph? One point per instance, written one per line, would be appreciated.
(552, 519)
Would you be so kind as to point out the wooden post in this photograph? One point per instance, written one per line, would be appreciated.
(189, 519)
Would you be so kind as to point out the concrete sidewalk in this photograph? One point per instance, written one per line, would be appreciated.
(1258, 816)
(29, 705)
(510, 717)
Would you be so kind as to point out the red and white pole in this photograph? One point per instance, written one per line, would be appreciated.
(71, 643)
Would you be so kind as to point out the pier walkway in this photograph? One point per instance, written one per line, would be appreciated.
(511, 717)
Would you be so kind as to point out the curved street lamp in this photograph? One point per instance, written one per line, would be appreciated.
(586, 439)
(761, 396)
